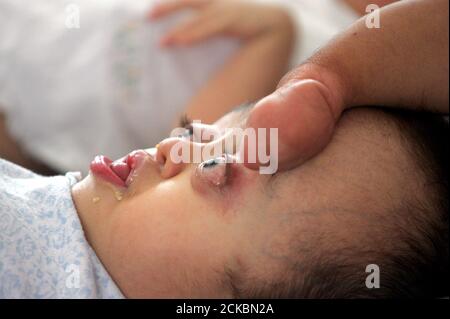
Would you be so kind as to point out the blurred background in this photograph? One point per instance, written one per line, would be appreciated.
(81, 78)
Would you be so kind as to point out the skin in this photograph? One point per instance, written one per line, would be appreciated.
(174, 232)
(266, 33)
(360, 6)
(402, 64)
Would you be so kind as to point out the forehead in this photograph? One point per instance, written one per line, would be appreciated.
(364, 163)
(364, 167)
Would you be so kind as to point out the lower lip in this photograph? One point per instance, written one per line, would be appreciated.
(100, 167)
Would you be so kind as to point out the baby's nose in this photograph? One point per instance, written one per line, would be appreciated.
(173, 154)
(152, 152)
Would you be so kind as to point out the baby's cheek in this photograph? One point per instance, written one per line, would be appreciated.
(158, 246)
(146, 224)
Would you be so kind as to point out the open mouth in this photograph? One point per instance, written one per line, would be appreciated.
(121, 168)
(117, 172)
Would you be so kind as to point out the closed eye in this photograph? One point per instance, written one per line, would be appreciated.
(186, 123)
(199, 132)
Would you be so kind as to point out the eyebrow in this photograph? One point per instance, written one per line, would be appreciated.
(243, 110)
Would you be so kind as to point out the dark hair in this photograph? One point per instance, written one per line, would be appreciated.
(416, 266)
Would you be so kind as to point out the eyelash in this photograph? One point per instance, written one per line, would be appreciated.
(187, 124)
(211, 163)
(221, 180)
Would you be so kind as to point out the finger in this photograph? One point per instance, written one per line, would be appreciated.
(165, 8)
(305, 120)
(201, 32)
(173, 36)
(199, 29)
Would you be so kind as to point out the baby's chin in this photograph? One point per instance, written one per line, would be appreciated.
(83, 191)
(95, 192)
(95, 203)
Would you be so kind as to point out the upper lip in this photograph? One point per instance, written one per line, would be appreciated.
(125, 167)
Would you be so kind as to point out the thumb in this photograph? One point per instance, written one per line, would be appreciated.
(305, 115)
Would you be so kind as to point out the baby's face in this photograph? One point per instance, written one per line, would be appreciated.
(173, 231)
(186, 230)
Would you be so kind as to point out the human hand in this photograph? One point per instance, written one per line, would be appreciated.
(305, 108)
(403, 64)
(243, 19)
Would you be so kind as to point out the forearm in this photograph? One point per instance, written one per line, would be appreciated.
(402, 64)
(248, 76)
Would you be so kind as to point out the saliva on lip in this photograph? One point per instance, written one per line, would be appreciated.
(118, 195)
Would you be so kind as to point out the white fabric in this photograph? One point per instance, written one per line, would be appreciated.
(107, 87)
(43, 250)
(317, 22)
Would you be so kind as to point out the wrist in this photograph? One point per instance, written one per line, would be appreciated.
(282, 22)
